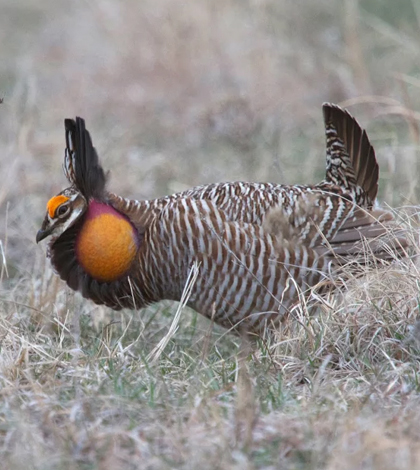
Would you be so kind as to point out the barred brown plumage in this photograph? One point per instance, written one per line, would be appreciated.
(257, 244)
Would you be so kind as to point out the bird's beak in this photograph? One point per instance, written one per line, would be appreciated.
(41, 235)
(43, 232)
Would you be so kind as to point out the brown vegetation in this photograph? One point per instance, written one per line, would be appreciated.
(177, 94)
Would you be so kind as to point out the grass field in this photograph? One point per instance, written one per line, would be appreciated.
(177, 94)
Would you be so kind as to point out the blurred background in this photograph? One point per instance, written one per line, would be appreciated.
(177, 94)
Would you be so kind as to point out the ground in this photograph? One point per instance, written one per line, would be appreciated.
(177, 94)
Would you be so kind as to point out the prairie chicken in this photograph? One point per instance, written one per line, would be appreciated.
(257, 245)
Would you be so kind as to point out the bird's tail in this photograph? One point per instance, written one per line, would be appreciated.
(351, 160)
(366, 237)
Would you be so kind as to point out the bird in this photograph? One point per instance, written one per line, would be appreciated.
(257, 246)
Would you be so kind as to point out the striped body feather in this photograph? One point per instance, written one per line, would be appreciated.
(243, 272)
(327, 206)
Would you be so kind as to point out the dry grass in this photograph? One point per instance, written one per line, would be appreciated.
(176, 94)
(338, 388)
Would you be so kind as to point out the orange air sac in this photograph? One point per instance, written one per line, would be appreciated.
(107, 243)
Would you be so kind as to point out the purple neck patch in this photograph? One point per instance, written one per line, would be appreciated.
(96, 209)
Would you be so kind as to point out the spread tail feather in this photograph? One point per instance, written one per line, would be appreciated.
(343, 129)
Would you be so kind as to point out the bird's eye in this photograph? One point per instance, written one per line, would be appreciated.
(62, 210)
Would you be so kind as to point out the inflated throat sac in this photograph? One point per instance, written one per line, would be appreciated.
(107, 243)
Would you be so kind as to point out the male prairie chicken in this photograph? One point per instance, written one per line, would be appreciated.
(256, 244)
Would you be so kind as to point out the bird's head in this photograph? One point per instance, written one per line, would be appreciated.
(63, 211)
